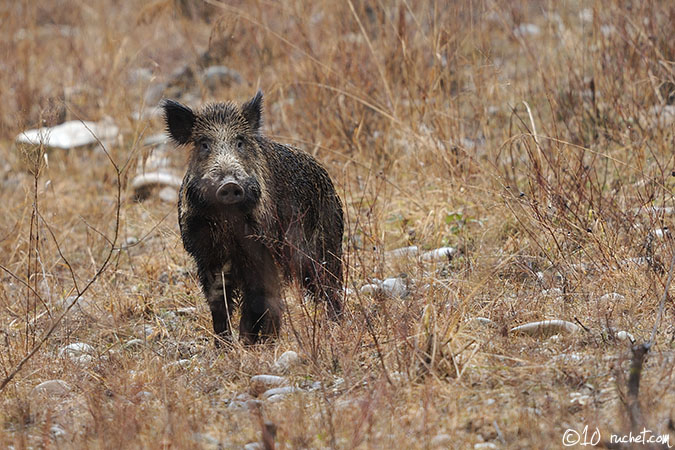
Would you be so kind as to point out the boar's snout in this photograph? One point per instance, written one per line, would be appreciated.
(230, 192)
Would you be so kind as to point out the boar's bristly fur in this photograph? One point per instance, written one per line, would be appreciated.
(253, 212)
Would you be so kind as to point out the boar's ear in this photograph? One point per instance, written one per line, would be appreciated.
(179, 121)
(252, 111)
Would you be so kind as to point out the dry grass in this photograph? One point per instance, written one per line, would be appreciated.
(547, 159)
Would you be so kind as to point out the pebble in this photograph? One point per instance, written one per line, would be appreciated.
(216, 76)
(186, 311)
(438, 254)
(76, 349)
(134, 344)
(287, 361)
(395, 287)
(612, 297)
(149, 179)
(262, 383)
(179, 363)
(57, 431)
(484, 445)
(168, 195)
(403, 251)
(70, 134)
(441, 440)
(527, 29)
(253, 446)
(52, 388)
(285, 390)
(207, 441)
(546, 328)
(624, 335)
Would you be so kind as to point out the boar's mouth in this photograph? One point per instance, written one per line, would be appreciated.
(228, 195)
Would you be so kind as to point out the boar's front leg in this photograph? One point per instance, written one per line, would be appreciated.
(217, 289)
(261, 296)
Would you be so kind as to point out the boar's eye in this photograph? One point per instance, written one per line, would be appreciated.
(203, 147)
(240, 143)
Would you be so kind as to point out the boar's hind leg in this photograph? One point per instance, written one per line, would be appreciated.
(221, 311)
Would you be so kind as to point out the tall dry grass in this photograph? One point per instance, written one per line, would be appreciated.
(536, 138)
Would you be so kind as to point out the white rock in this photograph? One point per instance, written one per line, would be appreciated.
(484, 445)
(146, 180)
(612, 297)
(483, 320)
(369, 289)
(441, 441)
(69, 134)
(403, 251)
(179, 363)
(253, 446)
(442, 253)
(133, 344)
(624, 335)
(144, 330)
(168, 195)
(395, 287)
(527, 29)
(186, 311)
(262, 383)
(51, 388)
(57, 431)
(660, 233)
(546, 328)
(287, 361)
(215, 76)
(285, 390)
(656, 210)
(76, 349)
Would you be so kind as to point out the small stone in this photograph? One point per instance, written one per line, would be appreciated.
(253, 446)
(76, 349)
(483, 320)
(443, 253)
(207, 441)
(527, 29)
(179, 363)
(52, 388)
(70, 134)
(142, 183)
(186, 311)
(441, 441)
(168, 195)
(624, 335)
(395, 287)
(285, 390)
(369, 289)
(57, 431)
(134, 344)
(287, 361)
(546, 328)
(612, 297)
(484, 445)
(144, 396)
(217, 76)
(261, 383)
(403, 251)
